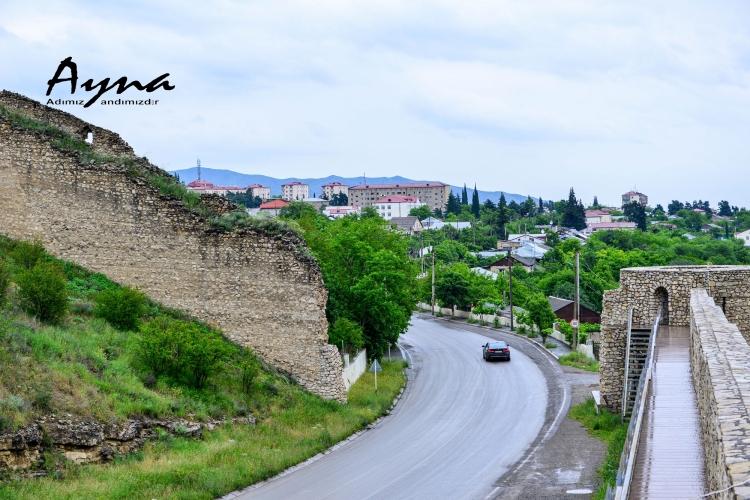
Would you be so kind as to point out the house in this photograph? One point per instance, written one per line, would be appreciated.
(410, 225)
(273, 207)
(433, 223)
(744, 236)
(603, 226)
(335, 188)
(707, 227)
(205, 187)
(528, 263)
(260, 191)
(484, 272)
(689, 237)
(396, 206)
(507, 245)
(338, 212)
(700, 211)
(295, 191)
(316, 202)
(564, 309)
(597, 216)
(634, 196)
(533, 250)
(433, 194)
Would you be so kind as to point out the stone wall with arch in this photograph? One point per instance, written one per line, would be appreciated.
(643, 288)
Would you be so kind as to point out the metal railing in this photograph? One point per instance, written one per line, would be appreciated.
(627, 363)
(627, 459)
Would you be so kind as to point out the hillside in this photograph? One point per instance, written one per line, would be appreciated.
(231, 178)
(91, 371)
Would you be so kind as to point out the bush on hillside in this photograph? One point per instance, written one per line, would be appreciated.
(120, 307)
(43, 292)
(28, 253)
(4, 281)
(182, 350)
(346, 331)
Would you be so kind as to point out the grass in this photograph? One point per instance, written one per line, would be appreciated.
(578, 360)
(607, 427)
(550, 345)
(298, 425)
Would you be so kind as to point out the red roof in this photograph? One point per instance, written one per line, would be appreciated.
(256, 186)
(398, 199)
(594, 213)
(610, 225)
(630, 193)
(294, 183)
(200, 184)
(391, 186)
(274, 204)
(333, 184)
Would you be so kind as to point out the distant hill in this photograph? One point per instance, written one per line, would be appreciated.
(231, 178)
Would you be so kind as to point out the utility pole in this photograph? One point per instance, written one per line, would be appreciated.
(577, 304)
(510, 289)
(433, 278)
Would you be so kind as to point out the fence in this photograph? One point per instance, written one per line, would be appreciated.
(353, 370)
(446, 311)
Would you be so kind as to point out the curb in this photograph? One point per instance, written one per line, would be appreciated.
(315, 458)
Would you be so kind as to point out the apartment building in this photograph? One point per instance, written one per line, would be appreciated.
(262, 192)
(396, 206)
(432, 194)
(335, 188)
(634, 196)
(294, 191)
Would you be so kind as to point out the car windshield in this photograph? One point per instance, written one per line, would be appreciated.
(497, 345)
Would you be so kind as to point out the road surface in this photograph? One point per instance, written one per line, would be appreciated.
(461, 424)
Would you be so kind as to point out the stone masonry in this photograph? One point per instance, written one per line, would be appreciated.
(260, 289)
(720, 365)
(648, 288)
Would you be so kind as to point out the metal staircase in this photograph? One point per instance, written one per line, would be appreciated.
(635, 358)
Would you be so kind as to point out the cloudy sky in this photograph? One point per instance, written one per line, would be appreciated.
(528, 97)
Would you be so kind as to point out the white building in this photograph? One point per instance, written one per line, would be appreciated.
(261, 192)
(744, 236)
(597, 216)
(294, 191)
(396, 206)
(335, 188)
(206, 187)
(339, 212)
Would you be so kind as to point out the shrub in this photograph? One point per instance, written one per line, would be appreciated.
(249, 370)
(496, 323)
(522, 330)
(120, 307)
(28, 253)
(472, 320)
(439, 314)
(4, 281)
(43, 292)
(182, 350)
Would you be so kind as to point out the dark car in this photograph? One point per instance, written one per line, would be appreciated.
(496, 350)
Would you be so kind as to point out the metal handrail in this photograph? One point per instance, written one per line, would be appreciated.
(630, 450)
(627, 364)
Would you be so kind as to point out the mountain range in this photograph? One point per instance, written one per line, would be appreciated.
(231, 178)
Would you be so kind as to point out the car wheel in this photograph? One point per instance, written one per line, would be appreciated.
(508, 358)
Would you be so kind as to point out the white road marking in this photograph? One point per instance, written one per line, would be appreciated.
(492, 493)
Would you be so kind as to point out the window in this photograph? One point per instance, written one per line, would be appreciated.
(389, 214)
(389, 207)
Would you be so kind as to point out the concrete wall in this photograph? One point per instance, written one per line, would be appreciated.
(720, 365)
(260, 289)
(354, 369)
(646, 288)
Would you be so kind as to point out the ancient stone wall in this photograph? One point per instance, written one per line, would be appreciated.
(260, 289)
(646, 289)
(720, 365)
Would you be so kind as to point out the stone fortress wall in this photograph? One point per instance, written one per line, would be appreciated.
(648, 288)
(260, 289)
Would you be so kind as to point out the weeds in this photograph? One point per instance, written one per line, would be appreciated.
(578, 360)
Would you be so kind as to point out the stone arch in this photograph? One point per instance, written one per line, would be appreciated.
(661, 299)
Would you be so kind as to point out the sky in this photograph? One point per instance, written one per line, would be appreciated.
(526, 97)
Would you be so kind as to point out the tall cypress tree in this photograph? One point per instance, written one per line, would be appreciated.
(503, 217)
(464, 197)
(541, 206)
(574, 215)
(596, 201)
(475, 202)
(453, 206)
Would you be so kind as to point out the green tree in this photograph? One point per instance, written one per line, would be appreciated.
(120, 307)
(5, 277)
(475, 202)
(27, 253)
(503, 216)
(724, 209)
(674, 207)
(453, 289)
(464, 197)
(422, 212)
(297, 210)
(540, 313)
(635, 212)
(245, 199)
(347, 332)
(453, 207)
(339, 200)
(574, 215)
(43, 292)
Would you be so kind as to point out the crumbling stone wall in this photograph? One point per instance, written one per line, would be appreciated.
(645, 289)
(720, 364)
(260, 289)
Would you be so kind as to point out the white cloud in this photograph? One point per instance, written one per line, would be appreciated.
(528, 97)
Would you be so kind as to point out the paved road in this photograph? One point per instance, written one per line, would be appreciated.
(461, 424)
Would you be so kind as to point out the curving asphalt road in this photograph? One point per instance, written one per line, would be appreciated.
(461, 424)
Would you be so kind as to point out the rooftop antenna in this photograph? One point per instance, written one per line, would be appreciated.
(199, 169)
(364, 175)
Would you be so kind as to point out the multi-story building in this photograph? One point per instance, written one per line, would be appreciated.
(635, 196)
(208, 188)
(432, 194)
(396, 206)
(261, 192)
(295, 191)
(335, 188)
